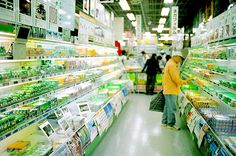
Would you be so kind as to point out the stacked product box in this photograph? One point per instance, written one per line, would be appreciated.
(224, 124)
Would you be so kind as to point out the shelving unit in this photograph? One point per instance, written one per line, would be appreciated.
(206, 85)
(49, 112)
(79, 78)
(218, 139)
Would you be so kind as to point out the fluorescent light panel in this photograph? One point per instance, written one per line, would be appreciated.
(160, 28)
(155, 29)
(134, 23)
(162, 21)
(165, 11)
(168, 1)
(131, 16)
(124, 5)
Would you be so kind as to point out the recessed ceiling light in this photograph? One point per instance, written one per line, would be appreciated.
(124, 5)
(160, 28)
(165, 11)
(131, 16)
(134, 23)
(162, 21)
(168, 1)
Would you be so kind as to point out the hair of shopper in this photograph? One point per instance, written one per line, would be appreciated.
(143, 52)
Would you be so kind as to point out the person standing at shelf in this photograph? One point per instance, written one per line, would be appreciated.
(145, 57)
(171, 88)
(153, 68)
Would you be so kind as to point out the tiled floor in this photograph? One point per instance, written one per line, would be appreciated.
(137, 132)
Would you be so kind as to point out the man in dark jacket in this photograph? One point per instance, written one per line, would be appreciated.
(153, 68)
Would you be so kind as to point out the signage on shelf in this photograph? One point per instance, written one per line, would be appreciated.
(75, 145)
(61, 151)
(86, 6)
(92, 129)
(174, 20)
(100, 12)
(101, 121)
(92, 8)
(25, 12)
(7, 11)
(66, 14)
(139, 27)
(53, 16)
(41, 13)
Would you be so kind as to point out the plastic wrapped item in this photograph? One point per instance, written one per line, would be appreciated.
(208, 113)
(224, 124)
(28, 91)
(40, 149)
(18, 145)
(200, 101)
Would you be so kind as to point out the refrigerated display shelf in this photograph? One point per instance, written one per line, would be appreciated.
(38, 78)
(57, 58)
(228, 72)
(212, 59)
(64, 57)
(8, 108)
(88, 147)
(49, 93)
(216, 136)
(228, 40)
(212, 81)
(220, 101)
(48, 112)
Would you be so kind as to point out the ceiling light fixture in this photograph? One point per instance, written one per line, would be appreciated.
(160, 28)
(168, 1)
(162, 21)
(131, 16)
(154, 29)
(124, 5)
(134, 23)
(165, 11)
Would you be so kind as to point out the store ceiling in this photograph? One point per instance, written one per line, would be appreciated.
(151, 12)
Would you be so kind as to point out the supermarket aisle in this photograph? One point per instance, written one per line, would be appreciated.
(137, 132)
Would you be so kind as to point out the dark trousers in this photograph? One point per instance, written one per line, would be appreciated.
(150, 84)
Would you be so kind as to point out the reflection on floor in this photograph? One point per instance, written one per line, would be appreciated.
(137, 132)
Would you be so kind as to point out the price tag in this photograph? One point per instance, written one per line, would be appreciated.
(3, 110)
(7, 135)
(5, 84)
(31, 122)
(201, 135)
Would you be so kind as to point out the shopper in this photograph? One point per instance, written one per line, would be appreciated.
(145, 57)
(162, 62)
(153, 68)
(171, 88)
(167, 58)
